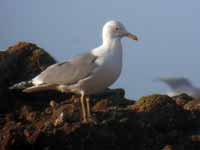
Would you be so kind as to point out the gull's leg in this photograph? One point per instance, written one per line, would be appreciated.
(90, 118)
(88, 108)
(83, 107)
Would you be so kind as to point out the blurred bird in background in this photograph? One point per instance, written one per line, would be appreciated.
(180, 85)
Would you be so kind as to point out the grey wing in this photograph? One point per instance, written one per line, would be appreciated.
(69, 72)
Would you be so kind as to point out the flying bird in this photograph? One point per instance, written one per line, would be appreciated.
(89, 73)
(181, 85)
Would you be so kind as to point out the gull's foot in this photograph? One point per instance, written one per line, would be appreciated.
(89, 120)
(84, 121)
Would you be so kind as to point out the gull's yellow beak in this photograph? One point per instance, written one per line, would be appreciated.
(132, 36)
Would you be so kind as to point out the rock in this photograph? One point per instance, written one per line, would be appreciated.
(182, 99)
(152, 103)
(114, 92)
(20, 62)
(193, 105)
(111, 99)
(195, 138)
(60, 119)
(53, 104)
(154, 122)
(160, 111)
(168, 147)
(67, 113)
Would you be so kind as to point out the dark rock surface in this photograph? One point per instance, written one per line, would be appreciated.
(20, 62)
(51, 120)
(182, 99)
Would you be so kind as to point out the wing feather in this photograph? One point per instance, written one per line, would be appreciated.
(68, 72)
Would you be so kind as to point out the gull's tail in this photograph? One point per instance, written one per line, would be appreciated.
(39, 88)
(29, 87)
(21, 85)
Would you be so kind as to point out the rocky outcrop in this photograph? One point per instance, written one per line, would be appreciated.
(51, 120)
(20, 62)
(154, 122)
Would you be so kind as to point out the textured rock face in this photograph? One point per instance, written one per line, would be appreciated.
(51, 120)
(161, 112)
(20, 62)
(119, 124)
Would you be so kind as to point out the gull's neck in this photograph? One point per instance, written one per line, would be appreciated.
(109, 45)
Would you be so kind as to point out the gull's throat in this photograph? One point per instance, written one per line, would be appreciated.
(109, 46)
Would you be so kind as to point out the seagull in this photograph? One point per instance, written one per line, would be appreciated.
(87, 74)
(181, 85)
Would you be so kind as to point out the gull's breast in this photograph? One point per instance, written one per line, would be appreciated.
(106, 74)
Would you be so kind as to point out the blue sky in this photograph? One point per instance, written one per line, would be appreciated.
(168, 30)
